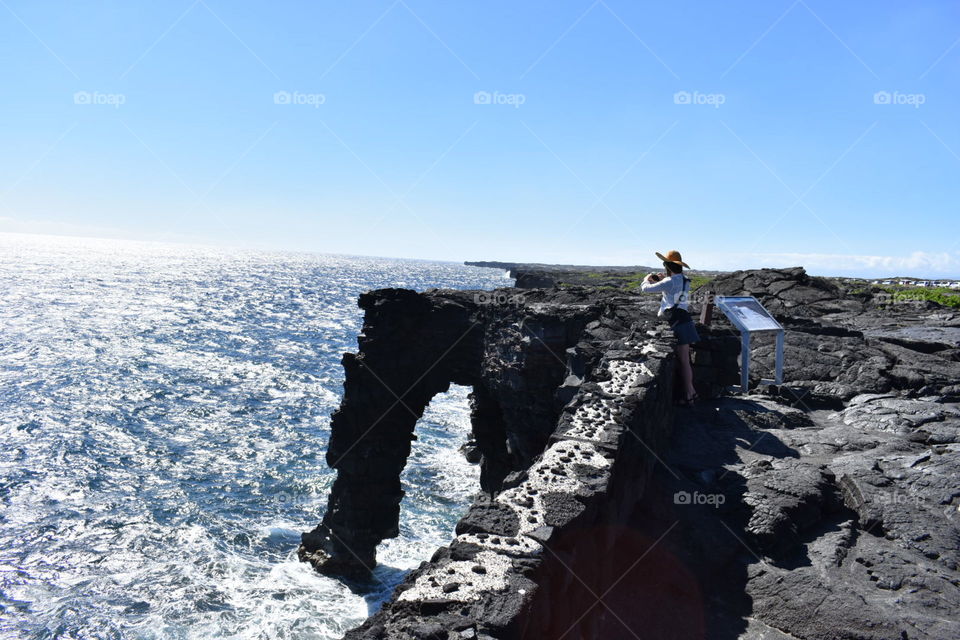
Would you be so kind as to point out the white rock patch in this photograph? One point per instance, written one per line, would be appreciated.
(437, 583)
(624, 376)
(591, 418)
(551, 474)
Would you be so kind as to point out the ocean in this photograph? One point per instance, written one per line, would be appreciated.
(164, 414)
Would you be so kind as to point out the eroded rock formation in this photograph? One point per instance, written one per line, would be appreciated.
(521, 360)
(823, 508)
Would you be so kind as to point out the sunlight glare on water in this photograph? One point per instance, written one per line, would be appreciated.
(163, 422)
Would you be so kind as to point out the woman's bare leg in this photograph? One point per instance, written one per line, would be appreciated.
(686, 371)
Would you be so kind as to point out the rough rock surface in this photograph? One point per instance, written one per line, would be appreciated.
(823, 508)
(841, 343)
(812, 524)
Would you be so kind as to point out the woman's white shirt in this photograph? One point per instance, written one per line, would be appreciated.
(670, 290)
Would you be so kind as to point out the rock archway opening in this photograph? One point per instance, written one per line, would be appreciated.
(438, 485)
(439, 481)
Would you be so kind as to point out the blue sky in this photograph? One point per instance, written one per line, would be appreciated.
(744, 134)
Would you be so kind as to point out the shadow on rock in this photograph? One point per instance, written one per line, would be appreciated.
(730, 500)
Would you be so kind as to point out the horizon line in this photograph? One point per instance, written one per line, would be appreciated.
(210, 244)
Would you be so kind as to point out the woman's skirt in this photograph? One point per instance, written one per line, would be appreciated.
(686, 333)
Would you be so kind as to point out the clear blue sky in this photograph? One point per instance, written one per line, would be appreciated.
(742, 133)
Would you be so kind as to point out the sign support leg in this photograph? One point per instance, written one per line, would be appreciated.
(745, 362)
(779, 357)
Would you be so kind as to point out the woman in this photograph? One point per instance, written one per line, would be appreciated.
(674, 288)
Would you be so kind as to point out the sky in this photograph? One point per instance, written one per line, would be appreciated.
(744, 134)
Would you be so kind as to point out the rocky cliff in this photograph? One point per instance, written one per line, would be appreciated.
(823, 508)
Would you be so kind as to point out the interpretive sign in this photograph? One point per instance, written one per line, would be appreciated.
(748, 316)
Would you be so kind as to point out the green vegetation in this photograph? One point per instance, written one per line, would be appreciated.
(940, 295)
(699, 281)
(626, 281)
(634, 280)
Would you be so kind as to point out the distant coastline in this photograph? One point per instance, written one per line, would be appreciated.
(538, 275)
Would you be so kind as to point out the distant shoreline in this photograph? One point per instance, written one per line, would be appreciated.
(581, 270)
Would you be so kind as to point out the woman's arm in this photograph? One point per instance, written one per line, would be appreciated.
(655, 287)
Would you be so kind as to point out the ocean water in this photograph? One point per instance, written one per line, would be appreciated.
(164, 413)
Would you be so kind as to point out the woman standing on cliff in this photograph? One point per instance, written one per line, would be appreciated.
(674, 287)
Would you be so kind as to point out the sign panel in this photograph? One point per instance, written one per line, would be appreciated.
(748, 314)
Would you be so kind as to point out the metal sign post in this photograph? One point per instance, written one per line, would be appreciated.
(749, 317)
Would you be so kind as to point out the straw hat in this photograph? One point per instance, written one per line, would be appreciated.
(674, 257)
